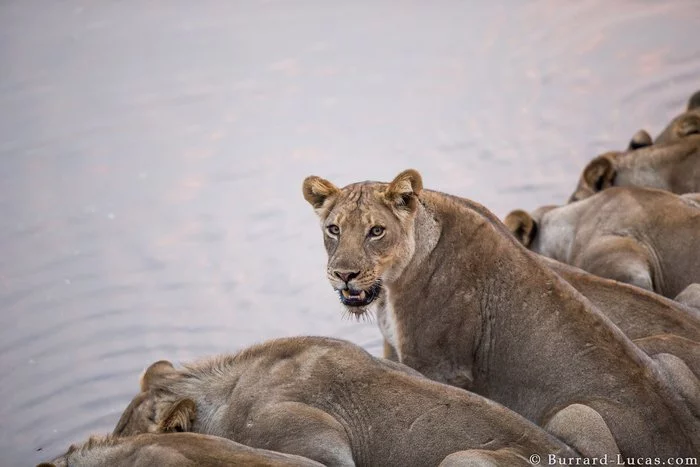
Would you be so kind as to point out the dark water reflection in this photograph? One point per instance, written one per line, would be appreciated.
(151, 157)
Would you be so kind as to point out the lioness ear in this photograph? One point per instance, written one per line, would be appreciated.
(403, 191)
(317, 191)
(179, 417)
(640, 139)
(156, 370)
(522, 226)
(694, 101)
(689, 125)
(599, 174)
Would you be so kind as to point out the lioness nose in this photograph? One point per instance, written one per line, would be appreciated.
(346, 276)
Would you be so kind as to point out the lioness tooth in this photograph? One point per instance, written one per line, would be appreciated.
(362, 295)
(345, 293)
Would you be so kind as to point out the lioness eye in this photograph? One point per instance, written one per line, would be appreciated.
(376, 231)
(333, 229)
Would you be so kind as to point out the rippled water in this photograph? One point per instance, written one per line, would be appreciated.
(152, 153)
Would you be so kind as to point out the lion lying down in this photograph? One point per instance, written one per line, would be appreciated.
(466, 304)
(644, 237)
(331, 401)
(172, 450)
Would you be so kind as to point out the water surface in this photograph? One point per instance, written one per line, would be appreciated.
(152, 154)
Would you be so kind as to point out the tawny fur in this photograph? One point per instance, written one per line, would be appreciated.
(644, 237)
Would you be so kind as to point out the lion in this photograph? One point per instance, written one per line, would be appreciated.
(644, 237)
(171, 450)
(667, 165)
(468, 305)
(684, 125)
(331, 401)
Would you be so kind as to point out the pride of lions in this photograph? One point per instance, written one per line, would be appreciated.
(568, 335)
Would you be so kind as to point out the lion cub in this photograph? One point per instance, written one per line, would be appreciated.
(331, 401)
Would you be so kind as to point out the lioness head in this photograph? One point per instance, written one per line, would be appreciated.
(600, 173)
(368, 233)
(155, 410)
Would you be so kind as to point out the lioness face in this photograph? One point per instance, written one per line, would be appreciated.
(368, 233)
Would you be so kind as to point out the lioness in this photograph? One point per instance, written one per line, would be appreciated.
(672, 166)
(469, 306)
(644, 237)
(684, 125)
(171, 450)
(331, 401)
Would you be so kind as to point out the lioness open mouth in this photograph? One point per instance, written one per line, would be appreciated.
(359, 298)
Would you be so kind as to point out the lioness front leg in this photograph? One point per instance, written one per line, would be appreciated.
(296, 428)
(619, 258)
